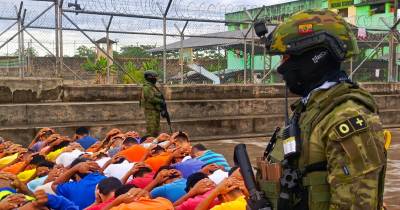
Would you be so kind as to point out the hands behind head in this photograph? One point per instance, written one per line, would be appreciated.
(87, 167)
(15, 148)
(19, 201)
(12, 201)
(132, 134)
(55, 173)
(41, 198)
(132, 195)
(180, 152)
(116, 158)
(226, 186)
(137, 167)
(166, 174)
(73, 146)
(210, 168)
(14, 182)
(235, 181)
(163, 137)
(202, 187)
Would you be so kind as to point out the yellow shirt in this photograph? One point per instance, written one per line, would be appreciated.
(8, 159)
(26, 175)
(238, 204)
(52, 156)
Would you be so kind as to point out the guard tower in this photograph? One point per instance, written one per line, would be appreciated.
(106, 45)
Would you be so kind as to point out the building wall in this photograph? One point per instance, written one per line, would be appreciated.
(361, 15)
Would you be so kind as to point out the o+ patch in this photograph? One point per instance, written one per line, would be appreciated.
(351, 126)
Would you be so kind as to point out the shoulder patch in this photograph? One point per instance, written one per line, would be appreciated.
(350, 126)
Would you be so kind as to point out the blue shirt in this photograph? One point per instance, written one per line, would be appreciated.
(32, 185)
(60, 203)
(172, 191)
(82, 193)
(86, 141)
(211, 157)
(189, 167)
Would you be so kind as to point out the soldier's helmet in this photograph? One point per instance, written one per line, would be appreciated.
(150, 74)
(311, 29)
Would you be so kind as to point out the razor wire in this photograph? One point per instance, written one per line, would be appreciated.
(182, 9)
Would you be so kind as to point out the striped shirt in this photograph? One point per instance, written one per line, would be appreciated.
(211, 157)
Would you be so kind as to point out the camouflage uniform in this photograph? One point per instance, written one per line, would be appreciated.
(340, 127)
(151, 102)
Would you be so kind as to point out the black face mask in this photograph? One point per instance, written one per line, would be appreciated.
(303, 73)
(152, 80)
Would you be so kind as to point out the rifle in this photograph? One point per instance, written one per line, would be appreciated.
(257, 199)
(164, 113)
(164, 110)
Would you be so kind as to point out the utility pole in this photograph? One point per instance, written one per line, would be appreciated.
(392, 70)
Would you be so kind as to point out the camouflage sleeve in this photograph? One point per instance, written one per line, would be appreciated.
(150, 96)
(356, 158)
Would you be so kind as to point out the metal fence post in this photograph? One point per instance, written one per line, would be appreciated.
(245, 62)
(57, 33)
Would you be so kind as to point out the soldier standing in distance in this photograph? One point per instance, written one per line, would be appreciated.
(335, 155)
(151, 101)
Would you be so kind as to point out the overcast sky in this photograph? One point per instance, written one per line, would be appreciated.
(212, 9)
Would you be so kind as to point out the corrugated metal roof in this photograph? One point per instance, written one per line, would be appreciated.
(212, 40)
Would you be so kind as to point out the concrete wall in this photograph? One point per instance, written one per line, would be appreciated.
(205, 111)
(45, 66)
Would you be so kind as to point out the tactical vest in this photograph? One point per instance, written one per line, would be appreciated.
(315, 178)
(149, 88)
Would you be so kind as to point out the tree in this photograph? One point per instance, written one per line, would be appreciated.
(84, 51)
(152, 64)
(138, 73)
(29, 51)
(133, 51)
(99, 67)
(133, 74)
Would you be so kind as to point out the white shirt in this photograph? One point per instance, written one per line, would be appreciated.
(102, 161)
(118, 170)
(218, 176)
(324, 86)
(47, 188)
(66, 158)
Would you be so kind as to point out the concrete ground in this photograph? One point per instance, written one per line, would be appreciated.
(256, 146)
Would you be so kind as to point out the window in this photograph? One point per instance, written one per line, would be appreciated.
(343, 12)
(377, 9)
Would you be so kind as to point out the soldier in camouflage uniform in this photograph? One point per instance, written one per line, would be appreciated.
(151, 102)
(341, 158)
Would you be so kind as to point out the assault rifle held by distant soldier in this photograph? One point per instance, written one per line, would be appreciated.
(164, 113)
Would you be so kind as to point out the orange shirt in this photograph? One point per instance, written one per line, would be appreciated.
(147, 204)
(15, 168)
(134, 153)
(157, 161)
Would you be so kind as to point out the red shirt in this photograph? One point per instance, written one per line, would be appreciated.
(142, 182)
(100, 206)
